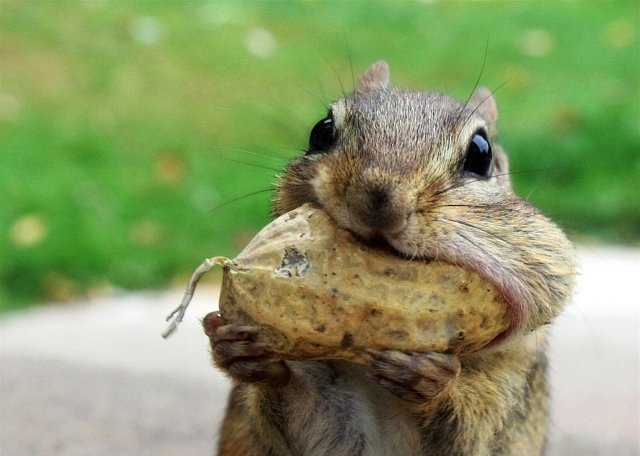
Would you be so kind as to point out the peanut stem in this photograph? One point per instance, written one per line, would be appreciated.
(177, 314)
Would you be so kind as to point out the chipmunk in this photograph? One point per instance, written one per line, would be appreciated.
(421, 174)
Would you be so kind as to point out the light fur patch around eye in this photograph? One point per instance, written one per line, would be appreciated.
(320, 180)
(339, 110)
(471, 126)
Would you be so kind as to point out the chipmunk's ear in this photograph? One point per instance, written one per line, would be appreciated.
(374, 77)
(483, 103)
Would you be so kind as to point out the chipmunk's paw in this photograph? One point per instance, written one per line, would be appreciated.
(235, 351)
(412, 376)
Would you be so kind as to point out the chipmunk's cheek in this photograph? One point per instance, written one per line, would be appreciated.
(325, 190)
(321, 183)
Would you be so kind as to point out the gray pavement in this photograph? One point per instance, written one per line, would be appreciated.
(96, 378)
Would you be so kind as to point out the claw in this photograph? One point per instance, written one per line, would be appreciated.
(227, 353)
(211, 322)
(235, 332)
(236, 351)
(416, 377)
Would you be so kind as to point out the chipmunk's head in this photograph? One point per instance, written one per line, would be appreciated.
(421, 173)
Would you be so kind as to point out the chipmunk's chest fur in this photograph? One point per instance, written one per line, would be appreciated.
(499, 408)
(343, 412)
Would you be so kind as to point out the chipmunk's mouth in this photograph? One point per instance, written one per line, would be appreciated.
(378, 242)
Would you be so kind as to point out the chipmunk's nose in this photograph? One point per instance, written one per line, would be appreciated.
(379, 210)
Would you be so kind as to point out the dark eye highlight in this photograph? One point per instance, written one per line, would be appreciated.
(322, 137)
(478, 158)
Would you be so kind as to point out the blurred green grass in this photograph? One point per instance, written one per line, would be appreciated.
(125, 125)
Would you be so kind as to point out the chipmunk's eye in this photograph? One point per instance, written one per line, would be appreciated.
(478, 159)
(322, 136)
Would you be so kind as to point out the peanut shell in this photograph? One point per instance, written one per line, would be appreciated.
(316, 292)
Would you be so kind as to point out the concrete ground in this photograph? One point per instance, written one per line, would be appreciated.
(96, 378)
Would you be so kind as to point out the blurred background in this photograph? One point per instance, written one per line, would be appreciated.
(137, 138)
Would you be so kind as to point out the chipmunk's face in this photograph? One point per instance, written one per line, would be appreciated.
(420, 174)
(408, 170)
(385, 164)
(392, 164)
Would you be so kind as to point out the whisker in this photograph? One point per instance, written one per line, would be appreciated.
(536, 170)
(238, 198)
(435, 176)
(510, 173)
(448, 221)
(337, 75)
(490, 233)
(462, 184)
(531, 192)
(350, 56)
(285, 120)
(504, 207)
(320, 95)
(257, 154)
(480, 104)
(475, 86)
(255, 165)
